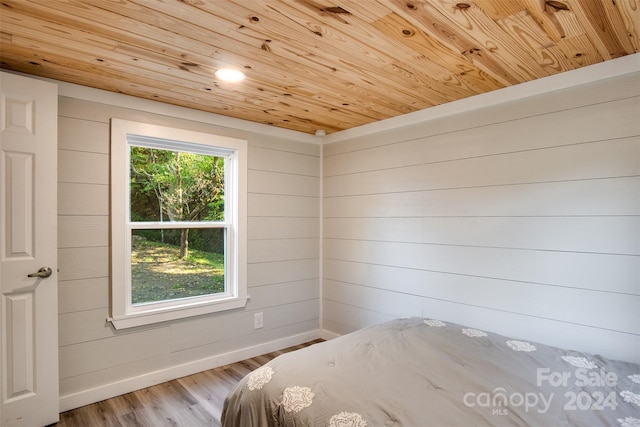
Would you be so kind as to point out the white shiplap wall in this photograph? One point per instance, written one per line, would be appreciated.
(283, 272)
(522, 218)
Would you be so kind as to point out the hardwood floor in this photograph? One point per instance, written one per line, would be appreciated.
(191, 401)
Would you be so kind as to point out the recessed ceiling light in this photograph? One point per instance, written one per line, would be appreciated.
(230, 75)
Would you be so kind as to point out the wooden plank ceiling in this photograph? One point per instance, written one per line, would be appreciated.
(312, 64)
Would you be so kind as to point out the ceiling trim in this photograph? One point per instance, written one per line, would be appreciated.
(589, 74)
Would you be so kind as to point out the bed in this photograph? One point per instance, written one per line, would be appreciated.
(424, 372)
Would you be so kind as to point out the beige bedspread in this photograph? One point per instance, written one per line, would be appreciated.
(417, 372)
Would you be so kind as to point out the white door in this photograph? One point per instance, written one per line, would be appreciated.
(28, 240)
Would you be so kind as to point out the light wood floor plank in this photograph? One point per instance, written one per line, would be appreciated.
(192, 401)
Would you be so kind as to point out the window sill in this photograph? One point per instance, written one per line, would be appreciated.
(152, 316)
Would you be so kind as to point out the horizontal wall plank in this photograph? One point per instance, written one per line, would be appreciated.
(285, 145)
(283, 183)
(83, 167)
(265, 159)
(103, 113)
(85, 110)
(283, 293)
(268, 273)
(507, 264)
(84, 326)
(351, 317)
(493, 139)
(83, 263)
(198, 332)
(615, 196)
(597, 309)
(83, 135)
(606, 273)
(83, 199)
(543, 106)
(283, 228)
(388, 301)
(600, 234)
(83, 231)
(78, 359)
(168, 115)
(282, 250)
(82, 294)
(616, 273)
(608, 159)
(266, 205)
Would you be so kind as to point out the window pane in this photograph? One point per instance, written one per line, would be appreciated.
(171, 264)
(175, 186)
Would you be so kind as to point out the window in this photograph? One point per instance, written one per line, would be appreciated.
(178, 223)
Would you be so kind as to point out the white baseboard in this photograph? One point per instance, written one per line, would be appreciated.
(86, 397)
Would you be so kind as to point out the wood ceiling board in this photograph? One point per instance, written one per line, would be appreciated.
(630, 14)
(434, 57)
(595, 17)
(297, 53)
(311, 64)
(353, 59)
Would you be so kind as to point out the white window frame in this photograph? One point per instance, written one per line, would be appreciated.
(125, 133)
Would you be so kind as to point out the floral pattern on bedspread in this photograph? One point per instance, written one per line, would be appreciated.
(521, 346)
(435, 323)
(635, 378)
(629, 422)
(259, 377)
(579, 362)
(630, 397)
(473, 333)
(296, 398)
(347, 419)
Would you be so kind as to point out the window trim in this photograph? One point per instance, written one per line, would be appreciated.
(123, 314)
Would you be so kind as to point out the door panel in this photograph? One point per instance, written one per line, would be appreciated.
(28, 236)
(19, 204)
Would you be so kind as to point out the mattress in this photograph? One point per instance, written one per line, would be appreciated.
(424, 372)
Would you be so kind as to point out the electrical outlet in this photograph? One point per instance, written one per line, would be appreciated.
(258, 321)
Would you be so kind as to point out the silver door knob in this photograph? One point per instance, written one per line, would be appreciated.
(43, 273)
